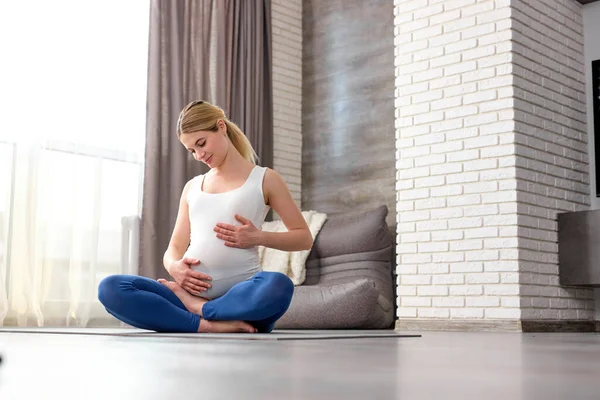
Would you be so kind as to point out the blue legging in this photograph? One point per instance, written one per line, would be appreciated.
(144, 303)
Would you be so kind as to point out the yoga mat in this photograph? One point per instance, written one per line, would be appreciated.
(275, 335)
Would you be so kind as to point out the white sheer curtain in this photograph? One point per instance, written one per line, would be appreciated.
(72, 128)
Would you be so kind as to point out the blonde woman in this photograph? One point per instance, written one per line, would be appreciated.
(213, 255)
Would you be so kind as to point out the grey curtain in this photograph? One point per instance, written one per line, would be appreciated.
(213, 50)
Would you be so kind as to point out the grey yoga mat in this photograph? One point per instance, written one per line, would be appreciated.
(275, 335)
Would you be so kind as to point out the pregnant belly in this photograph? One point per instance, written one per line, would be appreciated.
(219, 261)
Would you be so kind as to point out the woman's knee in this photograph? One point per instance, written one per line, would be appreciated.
(109, 289)
(282, 286)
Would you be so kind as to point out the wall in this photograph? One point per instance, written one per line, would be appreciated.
(348, 106)
(591, 26)
(457, 247)
(286, 22)
(487, 154)
(591, 46)
(551, 147)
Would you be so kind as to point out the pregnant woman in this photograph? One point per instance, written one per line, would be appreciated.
(213, 255)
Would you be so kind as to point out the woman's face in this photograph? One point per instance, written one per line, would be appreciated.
(206, 146)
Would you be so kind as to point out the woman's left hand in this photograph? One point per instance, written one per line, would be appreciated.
(242, 237)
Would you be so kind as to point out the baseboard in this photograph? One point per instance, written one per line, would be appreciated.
(458, 325)
(558, 326)
(497, 325)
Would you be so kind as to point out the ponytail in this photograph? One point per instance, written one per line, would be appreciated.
(240, 141)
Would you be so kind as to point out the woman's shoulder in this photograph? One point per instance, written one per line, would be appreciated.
(270, 173)
(273, 179)
(191, 184)
(192, 181)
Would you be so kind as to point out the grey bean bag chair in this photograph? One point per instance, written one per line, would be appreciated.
(349, 281)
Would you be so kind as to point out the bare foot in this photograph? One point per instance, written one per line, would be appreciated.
(192, 303)
(225, 327)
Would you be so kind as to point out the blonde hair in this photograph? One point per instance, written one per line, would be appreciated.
(202, 116)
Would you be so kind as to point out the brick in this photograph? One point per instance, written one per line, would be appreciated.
(433, 203)
(465, 223)
(470, 199)
(406, 301)
(462, 111)
(446, 147)
(460, 46)
(460, 68)
(415, 237)
(437, 236)
(481, 165)
(447, 125)
(465, 290)
(483, 301)
(472, 211)
(407, 312)
(433, 247)
(432, 290)
(466, 267)
(444, 214)
(432, 225)
(485, 277)
(405, 290)
(433, 268)
(448, 302)
(415, 280)
(481, 255)
(509, 277)
(433, 313)
(406, 269)
(480, 187)
(480, 119)
(503, 289)
(510, 301)
(406, 248)
(479, 30)
(452, 279)
(446, 190)
(502, 313)
(501, 243)
(467, 313)
(486, 232)
(446, 103)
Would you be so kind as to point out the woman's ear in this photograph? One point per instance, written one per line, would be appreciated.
(222, 126)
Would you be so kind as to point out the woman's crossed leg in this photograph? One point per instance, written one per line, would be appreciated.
(249, 306)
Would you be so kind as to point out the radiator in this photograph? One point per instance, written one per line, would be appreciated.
(130, 240)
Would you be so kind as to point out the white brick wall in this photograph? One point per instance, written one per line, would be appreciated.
(457, 246)
(482, 163)
(551, 141)
(286, 21)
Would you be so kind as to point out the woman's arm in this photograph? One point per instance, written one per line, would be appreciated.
(278, 196)
(178, 267)
(180, 238)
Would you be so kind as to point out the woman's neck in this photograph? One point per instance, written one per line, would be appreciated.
(233, 164)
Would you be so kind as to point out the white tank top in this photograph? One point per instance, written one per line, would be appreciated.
(207, 209)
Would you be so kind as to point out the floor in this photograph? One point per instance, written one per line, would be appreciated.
(437, 365)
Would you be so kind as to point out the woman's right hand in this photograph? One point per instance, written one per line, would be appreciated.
(193, 281)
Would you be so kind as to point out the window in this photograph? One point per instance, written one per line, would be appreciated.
(72, 133)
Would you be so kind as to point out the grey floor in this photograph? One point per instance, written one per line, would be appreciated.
(434, 366)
